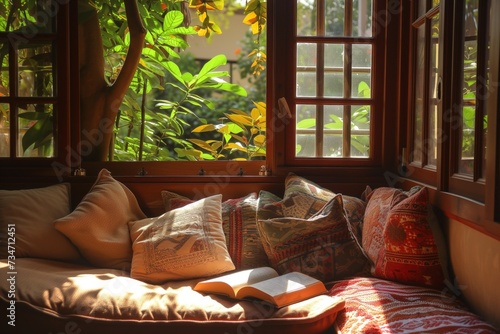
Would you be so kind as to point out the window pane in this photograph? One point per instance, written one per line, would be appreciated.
(333, 131)
(306, 69)
(306, 18)
(34, 17)
(361, 72)
(35, 71)
(305, 130)
(360, 131)
(35, 131)
(466, 162)
(361, 19)
(4, 130)
(4, 71)
(334, 18)
(418, 100)
(433, 93)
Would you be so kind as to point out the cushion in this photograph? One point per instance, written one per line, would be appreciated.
(375, 305)
(98, 225)
(402, 238)
(56, 297)
(239, 223)
(303, 198)
(183, 243)
(320, 246)
(27, 215)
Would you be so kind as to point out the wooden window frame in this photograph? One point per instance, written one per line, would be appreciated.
(45, 165)
(284, 139)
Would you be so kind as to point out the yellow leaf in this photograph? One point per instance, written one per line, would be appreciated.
(259, 140)
(244, 120)
(204, 128)
(250, 19)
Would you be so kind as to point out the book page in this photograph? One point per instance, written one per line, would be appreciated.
(284, 290)
(232, 283)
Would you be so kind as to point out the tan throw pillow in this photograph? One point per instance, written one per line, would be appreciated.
(31, 212)
(239, 223)
(183, 243)
(98, 225)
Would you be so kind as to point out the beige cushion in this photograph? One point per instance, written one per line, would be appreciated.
(182, 243)
(98, 225)
(31, 212)
(96, 300)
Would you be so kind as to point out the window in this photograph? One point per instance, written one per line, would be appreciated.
(179, 102)
(426, 92)
(448, 103)
(469, 121)
(337, 48)
(32, 99)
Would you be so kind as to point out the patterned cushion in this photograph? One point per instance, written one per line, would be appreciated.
(239, 223)
(183, 243)
(28, 215)
(402, 238)
(321, 246)
(98, 225)
(303, 198)
(375, 305)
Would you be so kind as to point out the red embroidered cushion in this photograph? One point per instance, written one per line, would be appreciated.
(402, 238)
(374, 305)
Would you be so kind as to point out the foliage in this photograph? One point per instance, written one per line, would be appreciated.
(242, 133)
(152, 123)
(172, 102)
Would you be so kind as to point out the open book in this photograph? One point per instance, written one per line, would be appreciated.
(266, 284)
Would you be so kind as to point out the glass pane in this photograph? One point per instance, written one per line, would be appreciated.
(35, 131)
(306, 69)
(333, 131)
(361, 19)
(418, 99)
(466, 162)
(433, 93)
(4, 71)
(360, 131)
(334, 70)
(334, 18)
(34, 17)
(361, 70)
(306, 18)
(306, 130)
(4, 130)
(35, 70)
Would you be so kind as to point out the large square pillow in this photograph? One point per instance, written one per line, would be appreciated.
(99, 224)
(27, 215)
(239, 223)
(402, 238)
(183, 243)
(321, 246)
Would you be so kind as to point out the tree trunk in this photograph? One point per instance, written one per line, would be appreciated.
(100, 102)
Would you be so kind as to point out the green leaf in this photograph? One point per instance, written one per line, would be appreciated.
(212, 64)
(307, 123)
(175, 71)
(173, 19)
